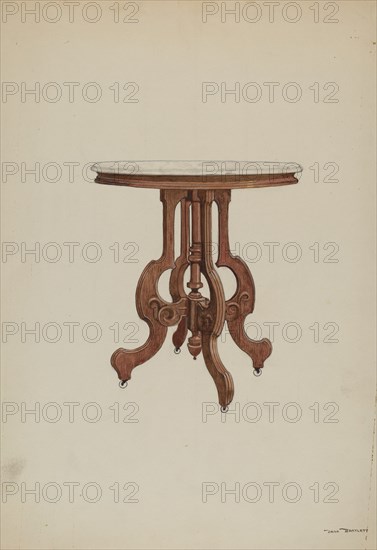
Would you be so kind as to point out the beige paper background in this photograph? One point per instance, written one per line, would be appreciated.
(170, 452)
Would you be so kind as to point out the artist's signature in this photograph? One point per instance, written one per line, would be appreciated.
(344, 530)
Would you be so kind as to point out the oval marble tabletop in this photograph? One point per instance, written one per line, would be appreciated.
(196, 174)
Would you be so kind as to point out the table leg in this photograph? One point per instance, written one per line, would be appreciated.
(242, 301)
(204, 317)
(176, 283)
(211, 316)
(155, 311)
(195, 258)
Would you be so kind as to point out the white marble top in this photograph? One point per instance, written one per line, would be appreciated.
(195, 167)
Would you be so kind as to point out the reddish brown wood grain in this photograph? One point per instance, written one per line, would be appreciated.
(206, 182)
(189, 310)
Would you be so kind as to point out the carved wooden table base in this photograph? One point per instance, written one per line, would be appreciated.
(189, 310)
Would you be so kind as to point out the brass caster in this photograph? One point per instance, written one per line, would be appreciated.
(177, 350)
(224, 409)
(257, 372)
(123, 384)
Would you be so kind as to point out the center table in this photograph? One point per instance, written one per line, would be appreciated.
(195, 185)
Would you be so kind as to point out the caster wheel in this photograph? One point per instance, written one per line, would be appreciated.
(257, 372)
(177, 351)
(123, 384)
(224, 409)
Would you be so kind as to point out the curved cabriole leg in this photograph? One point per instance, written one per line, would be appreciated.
(222, 378)
(242, 301)
(212, 315)
(151, 308)
(176, 282)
